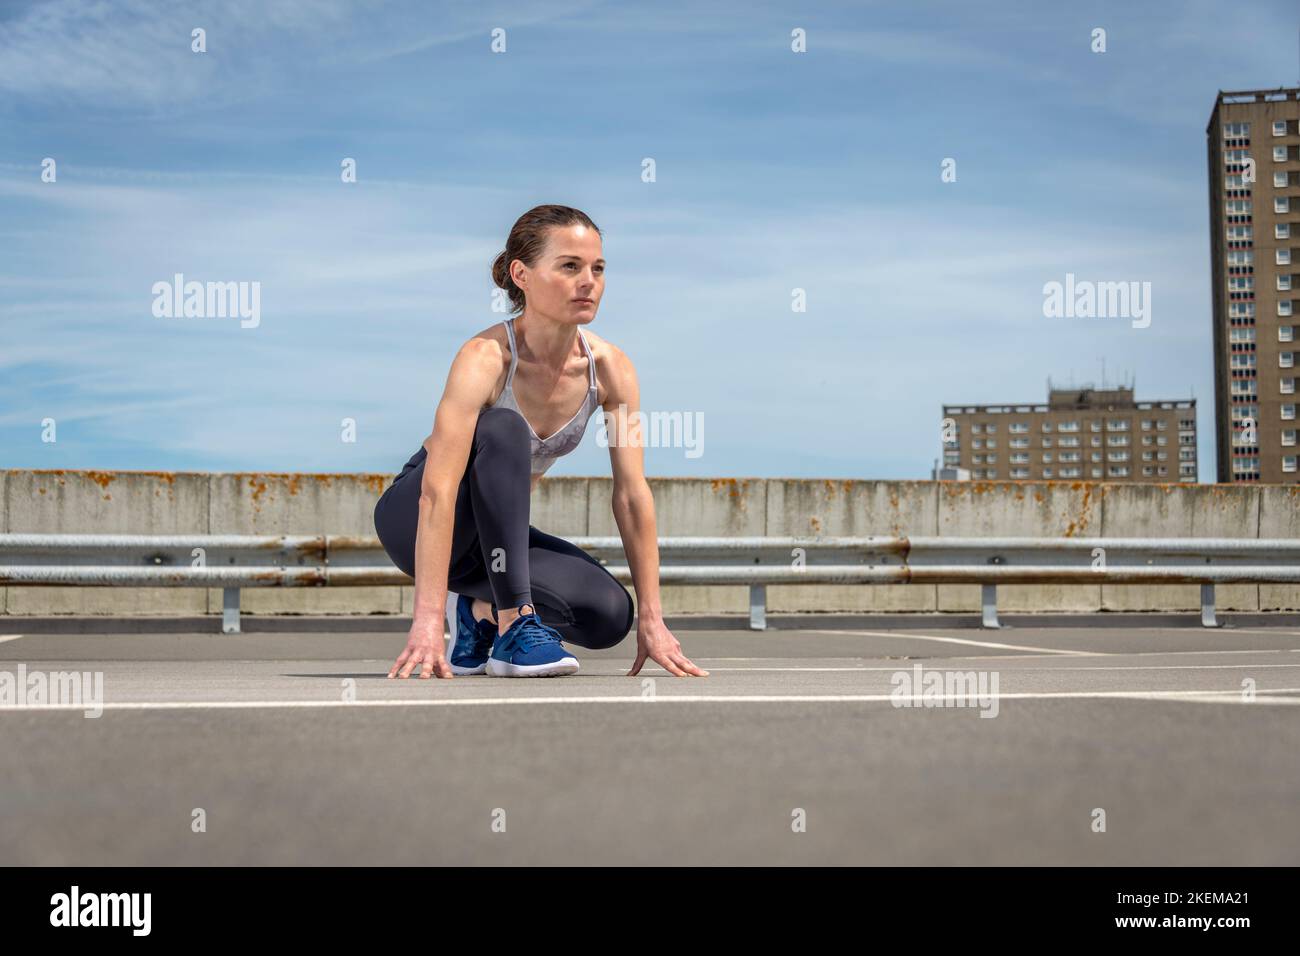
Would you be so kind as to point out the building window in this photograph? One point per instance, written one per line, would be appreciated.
(1047, 458)
(1288, 413)
(1283, 257)
(1279, 180)
(1281, 230)
(1288, 437)
(1286, 360)
(1279, 127)
(1047, 473)
(1019, 472)
(977, 429)
(1284, 283)
(1281, 204)
(1287, 386)
(1288, 462)
(1279, 154)
(1286, 333)
(1283, 306)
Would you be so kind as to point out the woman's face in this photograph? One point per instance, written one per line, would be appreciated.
(569, 271)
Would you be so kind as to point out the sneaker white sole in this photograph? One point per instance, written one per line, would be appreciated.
(461, 671)
(566, 665)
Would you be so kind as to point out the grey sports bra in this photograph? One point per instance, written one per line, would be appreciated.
(546, 450)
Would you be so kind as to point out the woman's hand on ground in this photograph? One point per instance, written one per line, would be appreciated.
(655, 641)
(426, 648)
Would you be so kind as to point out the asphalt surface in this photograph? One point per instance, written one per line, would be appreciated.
(296, 749)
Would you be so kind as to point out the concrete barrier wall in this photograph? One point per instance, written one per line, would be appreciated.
(141, 502)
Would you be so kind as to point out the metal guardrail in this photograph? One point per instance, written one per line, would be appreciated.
(233, 562)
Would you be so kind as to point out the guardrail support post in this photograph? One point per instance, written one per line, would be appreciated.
(989, 605)
(758, 607)
(1207, 606)
(230, 610)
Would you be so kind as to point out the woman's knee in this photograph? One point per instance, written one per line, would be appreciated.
(501, 425)
(610, 616)
(397, 540)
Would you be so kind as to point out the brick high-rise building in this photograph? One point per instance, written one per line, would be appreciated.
(1082, 433)
(1254, 171)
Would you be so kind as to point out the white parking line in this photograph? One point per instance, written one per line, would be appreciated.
(962, 640)
(9, 637)
(1037, 670)
(1254, 630)
(1261, 696)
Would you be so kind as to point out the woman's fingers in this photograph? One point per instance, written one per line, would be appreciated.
(401, 659)
(413, 662)
(665, 661)
(686, 664)
(640, 659)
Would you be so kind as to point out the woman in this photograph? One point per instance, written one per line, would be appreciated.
(457, 516)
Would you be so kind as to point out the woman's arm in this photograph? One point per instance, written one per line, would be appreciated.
(634, 513)
(473, 375)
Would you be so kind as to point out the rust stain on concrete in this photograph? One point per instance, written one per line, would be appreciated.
(1080, 523)
(735, 486)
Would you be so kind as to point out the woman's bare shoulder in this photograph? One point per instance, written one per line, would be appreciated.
(613, 366)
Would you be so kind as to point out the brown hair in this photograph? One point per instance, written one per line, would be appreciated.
(527, 240)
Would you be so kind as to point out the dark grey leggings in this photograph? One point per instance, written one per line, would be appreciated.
(496, 555)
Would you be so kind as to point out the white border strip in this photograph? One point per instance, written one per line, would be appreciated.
(1217, 695)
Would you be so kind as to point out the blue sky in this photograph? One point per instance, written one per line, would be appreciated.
(775, 171)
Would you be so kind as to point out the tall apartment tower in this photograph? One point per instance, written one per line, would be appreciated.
(1080, 433)
(1254, 169)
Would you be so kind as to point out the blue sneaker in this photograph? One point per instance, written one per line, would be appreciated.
(474, 639)
(529, 648)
